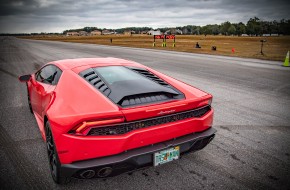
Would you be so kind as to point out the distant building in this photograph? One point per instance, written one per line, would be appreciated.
(96, 32)
(270, 35)
(129, 32)
(83, 33)
(72, 34)
(173, 31)
(177, 31)
(185, 31)
(144, 32)
(154, 32)
(106, 32)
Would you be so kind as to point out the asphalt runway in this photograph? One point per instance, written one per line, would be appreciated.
(252, 115)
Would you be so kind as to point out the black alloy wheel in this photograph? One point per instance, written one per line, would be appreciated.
(54, 162)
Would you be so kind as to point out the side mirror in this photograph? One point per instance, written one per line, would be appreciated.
(24, 78)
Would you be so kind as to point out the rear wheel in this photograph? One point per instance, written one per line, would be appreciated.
(54, 162)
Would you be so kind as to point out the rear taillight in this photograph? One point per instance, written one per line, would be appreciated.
(207, 101)
(84, 126)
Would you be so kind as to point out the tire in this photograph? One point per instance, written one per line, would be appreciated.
(53, 160)
(28, 99)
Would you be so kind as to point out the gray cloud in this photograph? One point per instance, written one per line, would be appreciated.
(58, 15)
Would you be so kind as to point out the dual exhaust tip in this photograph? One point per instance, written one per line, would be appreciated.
(103, 172)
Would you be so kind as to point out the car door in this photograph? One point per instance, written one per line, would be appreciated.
(43, 85)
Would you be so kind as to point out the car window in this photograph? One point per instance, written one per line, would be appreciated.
(113, 74)
(49, 75)
(56, 78)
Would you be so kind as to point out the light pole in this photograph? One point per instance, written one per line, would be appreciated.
(262, 44)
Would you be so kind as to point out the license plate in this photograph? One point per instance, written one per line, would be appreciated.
(165, 156)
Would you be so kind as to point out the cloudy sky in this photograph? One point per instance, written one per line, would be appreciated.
(17, 16)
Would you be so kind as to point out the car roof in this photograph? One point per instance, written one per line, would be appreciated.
(70, 64)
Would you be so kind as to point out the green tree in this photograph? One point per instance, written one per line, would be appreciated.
(284, 27)
(224, 27)
(196, 30)
(254, 26)
(232, 30)
(206, 30)
(215, 29)
(240, 28)
(274, 27)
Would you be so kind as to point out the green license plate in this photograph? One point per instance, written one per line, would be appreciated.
(165, 156)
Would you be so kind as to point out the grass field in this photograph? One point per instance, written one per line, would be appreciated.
(274, 49)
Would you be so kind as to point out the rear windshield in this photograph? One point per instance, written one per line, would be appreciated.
(113, 74)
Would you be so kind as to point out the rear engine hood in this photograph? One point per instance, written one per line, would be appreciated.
(130, 91)
(193, 98)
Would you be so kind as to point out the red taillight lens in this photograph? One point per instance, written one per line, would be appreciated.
(87, 124)
(206, 102)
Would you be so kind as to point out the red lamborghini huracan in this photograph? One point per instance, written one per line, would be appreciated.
(104, 116)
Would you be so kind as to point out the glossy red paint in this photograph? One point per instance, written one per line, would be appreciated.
(81, 148)
(73, 102)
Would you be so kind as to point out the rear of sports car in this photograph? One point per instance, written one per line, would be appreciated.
(120, 118)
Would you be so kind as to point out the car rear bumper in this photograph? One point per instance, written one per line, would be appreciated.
(74, 148)
(136, 158)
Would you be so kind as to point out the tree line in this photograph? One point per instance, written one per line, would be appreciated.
(254, 27)
(119, 30)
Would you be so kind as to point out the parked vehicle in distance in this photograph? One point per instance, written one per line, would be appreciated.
(101, 117)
